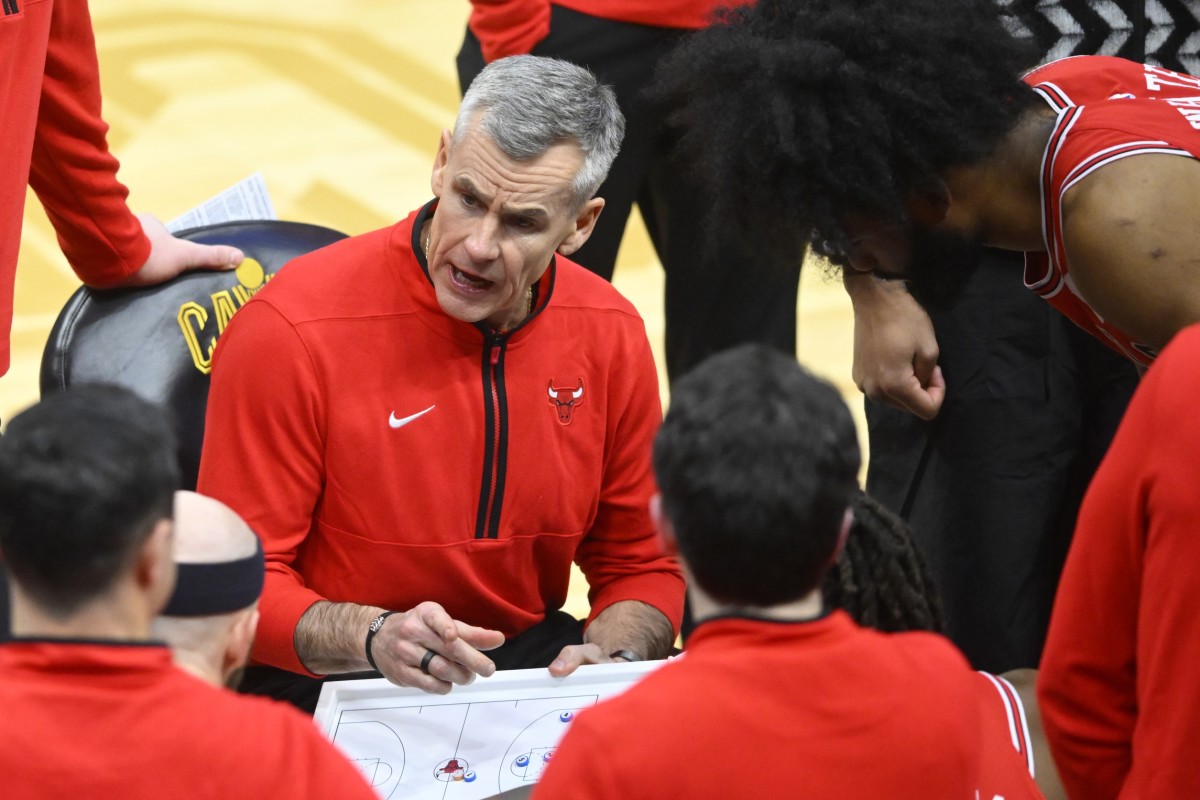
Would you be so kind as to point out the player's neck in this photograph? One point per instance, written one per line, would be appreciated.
(1002, 193)
(105, 618)
(198, 665)
(703, 607)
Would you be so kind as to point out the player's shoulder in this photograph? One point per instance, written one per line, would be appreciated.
(243, 733)
(232, 711)
(655, 698)
(581, 290)
(1088, 78)
(924, 665)
(348, 277)
(919, 645)
(1094, 144)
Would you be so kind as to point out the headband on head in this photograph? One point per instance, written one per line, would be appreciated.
(205, 590)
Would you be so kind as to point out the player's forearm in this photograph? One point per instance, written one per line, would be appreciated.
(330, 637)
(632, 625)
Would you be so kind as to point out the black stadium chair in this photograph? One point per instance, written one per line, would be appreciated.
(158, 340)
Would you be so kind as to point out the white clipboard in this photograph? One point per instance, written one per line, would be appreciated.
(494, 735)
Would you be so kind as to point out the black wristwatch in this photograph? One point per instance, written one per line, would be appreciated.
(625, 655)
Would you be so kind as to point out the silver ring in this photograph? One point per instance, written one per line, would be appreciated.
(429, 654)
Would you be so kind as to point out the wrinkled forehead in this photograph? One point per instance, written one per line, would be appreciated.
(479, 166)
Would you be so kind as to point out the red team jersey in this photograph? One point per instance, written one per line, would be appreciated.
(119, 721)
(1007, 769)
(1108, 109)
(812, 709)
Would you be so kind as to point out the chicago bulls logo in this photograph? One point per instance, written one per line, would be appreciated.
(566, 400)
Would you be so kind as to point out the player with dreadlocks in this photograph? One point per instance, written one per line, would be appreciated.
(880, 578)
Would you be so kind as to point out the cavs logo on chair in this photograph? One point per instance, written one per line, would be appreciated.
(193, 317)
(566, 400)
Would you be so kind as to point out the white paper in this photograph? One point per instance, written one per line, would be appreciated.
(247, 199)
(496, 734)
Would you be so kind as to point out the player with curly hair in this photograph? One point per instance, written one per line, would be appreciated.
(899, 139)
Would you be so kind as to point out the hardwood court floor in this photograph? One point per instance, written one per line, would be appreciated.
(339, 106)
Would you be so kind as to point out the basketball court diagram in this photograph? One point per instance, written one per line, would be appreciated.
(497, 734)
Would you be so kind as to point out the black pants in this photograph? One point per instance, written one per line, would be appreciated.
(5, 612)
(991, 487)
(535, 648)
(718, 293)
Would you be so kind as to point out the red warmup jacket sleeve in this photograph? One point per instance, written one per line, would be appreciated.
(508, 27)
(1117, 688)
(262, 456)
(73, 173)
(621, 556)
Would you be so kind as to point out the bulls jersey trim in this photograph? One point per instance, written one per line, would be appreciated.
(1018, 725)
(1049, 284)
(1115, 153)
(1054, 95)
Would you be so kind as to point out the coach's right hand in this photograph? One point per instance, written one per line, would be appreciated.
(424, 647)
(428, 649)
(895, 349)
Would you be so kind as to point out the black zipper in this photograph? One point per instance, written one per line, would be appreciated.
(495, 404)
(495, 446)
(10, 7)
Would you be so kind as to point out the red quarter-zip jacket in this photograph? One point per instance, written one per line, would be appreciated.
(388, 454)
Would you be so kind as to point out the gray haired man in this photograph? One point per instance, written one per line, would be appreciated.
(441, 416)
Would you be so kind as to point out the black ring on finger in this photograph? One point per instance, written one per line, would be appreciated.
(429, 654)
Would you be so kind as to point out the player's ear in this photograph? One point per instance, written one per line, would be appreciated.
(584, 224)
(154, 568)
(445, 141)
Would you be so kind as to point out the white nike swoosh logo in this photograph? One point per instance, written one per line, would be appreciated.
(400, 423)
